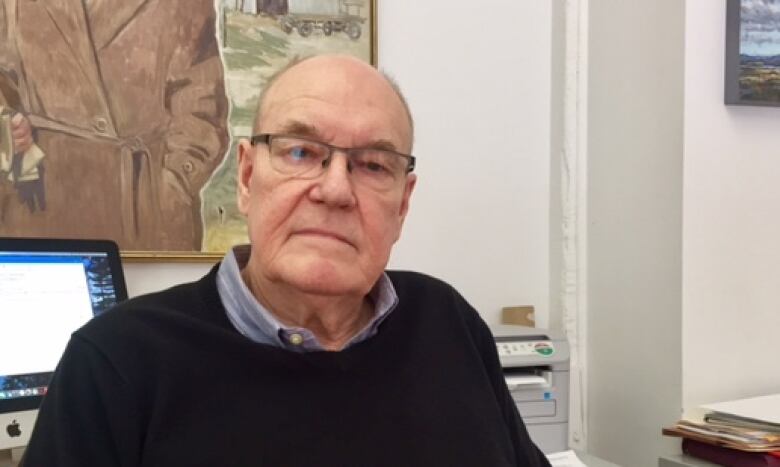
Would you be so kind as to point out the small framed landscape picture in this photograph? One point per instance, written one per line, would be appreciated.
(752, 75)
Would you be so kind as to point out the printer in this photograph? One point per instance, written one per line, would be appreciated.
(536, 369)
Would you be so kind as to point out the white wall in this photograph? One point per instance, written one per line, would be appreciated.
(478, 84)
(477, 76)
(635, 152)
(731, 241)
(683, 309)
(150, 277)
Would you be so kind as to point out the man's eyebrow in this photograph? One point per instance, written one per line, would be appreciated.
(297, 128)
(382, 144)
(305, 130)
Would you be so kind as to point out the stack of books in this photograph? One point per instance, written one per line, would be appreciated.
(742, 433)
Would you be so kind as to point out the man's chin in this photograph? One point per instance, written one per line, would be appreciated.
(326, 278)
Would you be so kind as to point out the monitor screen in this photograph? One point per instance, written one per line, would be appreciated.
(48, 289)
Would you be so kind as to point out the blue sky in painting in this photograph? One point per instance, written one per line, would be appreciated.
(760, 27)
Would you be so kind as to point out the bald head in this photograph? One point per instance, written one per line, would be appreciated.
(330, 74)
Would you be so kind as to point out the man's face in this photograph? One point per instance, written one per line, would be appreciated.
(326, 235)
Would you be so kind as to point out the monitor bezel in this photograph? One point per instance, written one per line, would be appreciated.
(61, 245)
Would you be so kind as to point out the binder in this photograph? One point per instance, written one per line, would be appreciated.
(729, 457)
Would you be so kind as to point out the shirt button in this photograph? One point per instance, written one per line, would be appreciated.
(296, 339)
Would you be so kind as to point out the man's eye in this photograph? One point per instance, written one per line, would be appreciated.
(375, 167)
(376, 164)
(300, 153)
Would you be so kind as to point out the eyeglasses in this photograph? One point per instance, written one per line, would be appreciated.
(379, 169)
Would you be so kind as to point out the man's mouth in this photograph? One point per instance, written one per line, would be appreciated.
(323, 233)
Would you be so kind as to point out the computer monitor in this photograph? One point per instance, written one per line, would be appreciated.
(48, 289)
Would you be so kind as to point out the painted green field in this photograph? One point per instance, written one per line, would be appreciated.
(758, 83)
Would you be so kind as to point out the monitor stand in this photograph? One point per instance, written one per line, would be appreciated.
(10, 457)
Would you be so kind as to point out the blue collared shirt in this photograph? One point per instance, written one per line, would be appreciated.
(257, 323)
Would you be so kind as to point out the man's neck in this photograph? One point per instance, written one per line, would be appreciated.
(333, 320)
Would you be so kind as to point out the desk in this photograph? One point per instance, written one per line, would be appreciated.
(681, 460)
(587, 459)
(592, 461)
(6, 459)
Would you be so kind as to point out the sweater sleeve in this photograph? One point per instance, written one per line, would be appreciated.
(87, 417)
(527, 453)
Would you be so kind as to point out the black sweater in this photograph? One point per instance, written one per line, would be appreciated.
(166, 380)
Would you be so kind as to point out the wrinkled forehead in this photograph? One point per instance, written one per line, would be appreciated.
(342, 99)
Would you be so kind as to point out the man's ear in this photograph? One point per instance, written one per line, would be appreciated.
(246, 166)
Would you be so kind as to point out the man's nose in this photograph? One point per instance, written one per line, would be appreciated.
(335, 186)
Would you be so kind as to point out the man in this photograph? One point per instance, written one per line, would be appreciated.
(126, 100)
(300, 351)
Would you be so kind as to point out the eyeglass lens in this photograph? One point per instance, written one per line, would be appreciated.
(308, 159)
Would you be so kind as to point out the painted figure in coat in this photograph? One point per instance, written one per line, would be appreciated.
(125, 102)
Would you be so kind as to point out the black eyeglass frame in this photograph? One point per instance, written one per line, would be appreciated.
(265, 138)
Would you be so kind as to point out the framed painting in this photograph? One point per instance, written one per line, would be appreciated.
(133, 137)
(752, 75)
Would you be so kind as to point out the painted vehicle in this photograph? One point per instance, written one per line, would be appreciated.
(329, 16)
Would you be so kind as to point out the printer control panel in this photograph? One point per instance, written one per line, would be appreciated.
(525, 348)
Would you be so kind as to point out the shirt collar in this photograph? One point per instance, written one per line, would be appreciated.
(259, 324)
